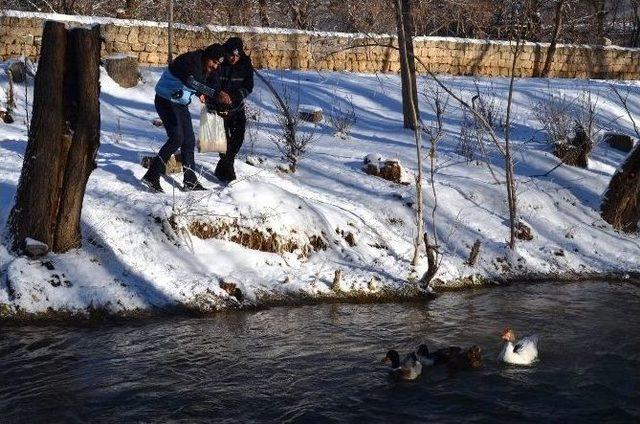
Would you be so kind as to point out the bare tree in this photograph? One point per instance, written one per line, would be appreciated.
(560, 4)
(170, 32)
(404, 22)
(413, 118)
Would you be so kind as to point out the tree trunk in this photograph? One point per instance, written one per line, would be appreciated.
(509, 171)
(63, 139)
(263, 13)
(554, 39)
(131, 8)
(412, 113)
(82, 108)
(404, 23)
(34, 213)
(170, 34)
(621, 202)
(601, 15)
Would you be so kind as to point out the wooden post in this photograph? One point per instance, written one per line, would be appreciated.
(63, 140)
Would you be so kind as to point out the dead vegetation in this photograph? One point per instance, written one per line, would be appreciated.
(256, 239)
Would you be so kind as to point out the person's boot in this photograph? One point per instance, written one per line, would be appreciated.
(152, 183)
(195, 186)
(152, 178)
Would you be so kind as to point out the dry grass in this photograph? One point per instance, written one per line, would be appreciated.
(257, 239)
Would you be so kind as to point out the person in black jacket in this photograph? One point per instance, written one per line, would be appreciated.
(184, 78)
(234, 82)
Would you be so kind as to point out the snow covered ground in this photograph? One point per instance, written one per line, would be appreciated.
(143, 251)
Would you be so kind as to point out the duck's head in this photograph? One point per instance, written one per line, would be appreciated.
(474, 356)
(423, 350)
(508, 335)
(392, 358)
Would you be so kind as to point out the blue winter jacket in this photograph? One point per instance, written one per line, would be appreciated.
(183, 78)
(171, 88)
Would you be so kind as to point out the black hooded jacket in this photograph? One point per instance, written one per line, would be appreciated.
(188, 65)
(236, 80)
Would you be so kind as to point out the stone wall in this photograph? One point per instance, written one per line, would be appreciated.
(20, 34)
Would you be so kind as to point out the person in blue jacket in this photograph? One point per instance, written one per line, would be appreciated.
(184, 78)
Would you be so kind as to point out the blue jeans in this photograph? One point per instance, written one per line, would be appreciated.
(176, 119)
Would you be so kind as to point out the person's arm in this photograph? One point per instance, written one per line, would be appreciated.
(201, 88)
(188, 69)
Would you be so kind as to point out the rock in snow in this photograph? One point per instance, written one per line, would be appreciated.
(35, 248)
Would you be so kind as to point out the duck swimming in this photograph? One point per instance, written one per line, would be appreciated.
(467, 360)
(440, 356)
(524, 352)
(409, 369)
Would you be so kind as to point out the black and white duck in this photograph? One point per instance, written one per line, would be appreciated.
(409, 368)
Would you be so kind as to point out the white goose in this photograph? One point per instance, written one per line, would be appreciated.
(524, 352)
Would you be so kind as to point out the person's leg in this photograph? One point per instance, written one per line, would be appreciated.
(237, 132)
(187, 148)
(222, 171)
(172, 126)
(235, 128)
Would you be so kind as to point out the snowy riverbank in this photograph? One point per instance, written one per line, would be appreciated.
(279, 236)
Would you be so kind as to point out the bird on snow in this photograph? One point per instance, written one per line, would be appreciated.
(409, 369)
(524, 352)
(440, 356)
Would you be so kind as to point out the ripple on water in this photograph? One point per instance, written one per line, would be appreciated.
(322, 363)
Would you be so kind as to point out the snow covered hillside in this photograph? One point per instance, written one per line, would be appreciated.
(282, 236)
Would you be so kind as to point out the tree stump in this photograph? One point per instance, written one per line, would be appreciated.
(576, 151)
(311, 114)
(621, 142)
(621, 202)
(63, 141)
(123, 70)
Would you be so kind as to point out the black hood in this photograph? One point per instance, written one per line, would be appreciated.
(232, 44)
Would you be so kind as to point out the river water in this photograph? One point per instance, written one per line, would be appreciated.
(322, 363)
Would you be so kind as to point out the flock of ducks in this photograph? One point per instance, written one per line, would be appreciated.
(522, 352)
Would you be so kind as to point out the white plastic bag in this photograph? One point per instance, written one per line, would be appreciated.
(212, 137)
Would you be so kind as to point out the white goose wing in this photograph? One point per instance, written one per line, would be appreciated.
(527, 348)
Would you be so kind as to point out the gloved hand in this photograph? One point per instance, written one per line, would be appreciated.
(177, 94)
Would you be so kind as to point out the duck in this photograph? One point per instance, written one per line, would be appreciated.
(524, 352)
(440, 356)
(409, 369)
(468, 359)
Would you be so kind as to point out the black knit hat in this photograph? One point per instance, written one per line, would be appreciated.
(233, 45)
(214, 51)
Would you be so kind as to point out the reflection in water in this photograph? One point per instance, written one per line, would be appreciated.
(322, 363)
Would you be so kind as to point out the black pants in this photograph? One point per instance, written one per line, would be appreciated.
(234, 126)
(176, 119)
